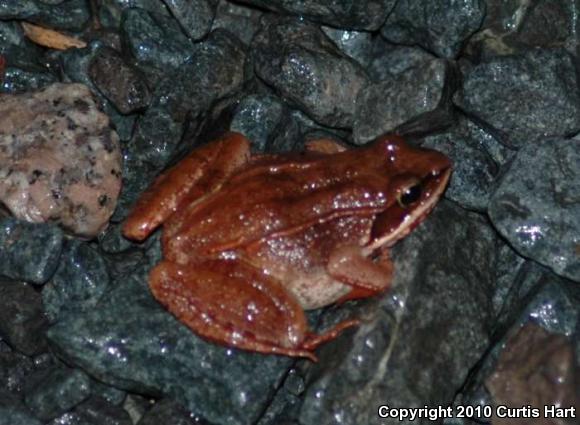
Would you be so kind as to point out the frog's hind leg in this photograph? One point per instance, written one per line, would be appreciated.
(235, 305)
(366, 276)
(199, 173)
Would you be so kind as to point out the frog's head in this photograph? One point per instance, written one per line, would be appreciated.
(418, 178)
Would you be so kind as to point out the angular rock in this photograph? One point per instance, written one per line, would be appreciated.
(118, 81)
(29, 252)
(94, 411)
(39, 182)
(194, 16)
(535, 207)
(440, 27)
(355, 44)
(474, 170)
(54, 391)
(79, 282)
(535, 369)
(388, 60)
(155, 40)
(11, 415)
(347, 14)
(168, 412)
(418, 342)
(416, 101)
(242, 21)
(70, 15)
(14, 368)
(131, 342)
(22, 322)
(524, 97)
(183, 96)
(307, 68)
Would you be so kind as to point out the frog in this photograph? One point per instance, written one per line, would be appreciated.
(251, 242)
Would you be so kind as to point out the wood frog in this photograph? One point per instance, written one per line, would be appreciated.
(250, 242)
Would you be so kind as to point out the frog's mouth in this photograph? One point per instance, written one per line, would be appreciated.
(399, 219)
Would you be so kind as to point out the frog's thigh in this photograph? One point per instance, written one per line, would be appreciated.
(235, 305)
(367, 277)
(197, 174)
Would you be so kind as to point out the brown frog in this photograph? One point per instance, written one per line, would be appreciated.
(250, 242)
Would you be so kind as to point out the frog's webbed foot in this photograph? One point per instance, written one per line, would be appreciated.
(198, 174)
(365, 275)
(233, 304)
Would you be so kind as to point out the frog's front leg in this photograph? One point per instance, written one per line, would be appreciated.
(366, 276)
(236, 305)
(198, 174)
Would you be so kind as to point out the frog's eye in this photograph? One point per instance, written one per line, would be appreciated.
(409, 195)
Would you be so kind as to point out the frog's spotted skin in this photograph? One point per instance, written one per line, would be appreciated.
(250, 243)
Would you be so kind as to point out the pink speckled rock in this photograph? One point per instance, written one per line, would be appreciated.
(59, 159)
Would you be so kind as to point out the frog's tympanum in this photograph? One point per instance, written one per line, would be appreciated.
(250, 242)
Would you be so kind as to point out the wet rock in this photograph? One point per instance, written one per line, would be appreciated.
(524, 97)
(75, 65)
(94, 411)
(12, 415)
(535, 205)
(355, 44)
(536, 369)
(533, 295)
(474, 170)
(440, 27)
(420, 340)
(79, 282)
(29, 252)
(110, 12)
(347, 14)
(22, 322)
(70, 15)
(14, 368)
(194, 16)
(39, 183)
(388, 60)
(306, 67)
(183, 96)
(169, 412)
(118, 81)
(155, 40)
(415, 101)
(242, 21)
(54, 391)
(510, 26)
(131, 342)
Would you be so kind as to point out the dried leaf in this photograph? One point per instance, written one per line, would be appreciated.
(51, 38)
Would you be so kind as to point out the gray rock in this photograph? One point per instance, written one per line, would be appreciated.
(440, 27)
(168, 412)
(524, 97)
(419, 341)
(536, 205)
(388, 60)
(154, 39)
(14, 368)
(70, 14)
(11, 415)
(194, 16)
(94, 411)
(118, 81)
(131, 342)
(79, 282)
(474, 170)
(355, 44)
(110, 12)
(415, 101)
(306, 67)
(347, 14)
(22, 321)
(29, 252)
(54, 391)
(60, 161)
(184, 96)
(240, 20)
